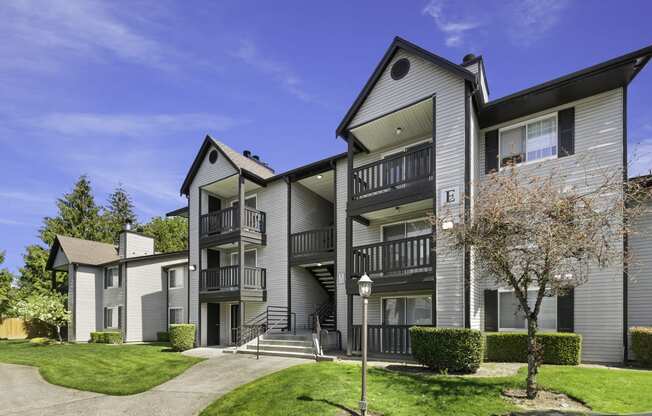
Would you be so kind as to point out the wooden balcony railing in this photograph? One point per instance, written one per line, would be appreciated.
(229, 278)
(392, 172)
(384, 339)
(228, 219)
(312, 242)
(409, 254)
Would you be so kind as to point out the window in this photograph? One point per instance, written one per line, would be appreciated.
(250, 202)
(413, 310)
(175, 279)
(251, 258)
(398, 256)
(528, 142)
(511, 318)
(399, 168)
(112, 317)
(176, 316)
(111, 278)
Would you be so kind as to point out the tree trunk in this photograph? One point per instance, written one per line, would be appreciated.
(59, 333)
(533, 354)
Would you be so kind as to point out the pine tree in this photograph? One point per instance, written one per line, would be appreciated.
(6, 289)
(119, 212)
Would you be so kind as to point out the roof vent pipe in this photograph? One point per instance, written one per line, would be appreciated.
(246, 153)
(127, 226)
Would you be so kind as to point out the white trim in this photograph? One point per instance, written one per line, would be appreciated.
(532, 289)
(382, 226)
(382, 306)
(525, 123)
(254, 196)
(176, 278)
(114, 325)
(175, 308)
(115, 279)
(236, 253)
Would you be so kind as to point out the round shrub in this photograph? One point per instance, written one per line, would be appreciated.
(560, 348)
(642, 344)
(182, 336)
(456, 350)
(106, 337)
(40, 341)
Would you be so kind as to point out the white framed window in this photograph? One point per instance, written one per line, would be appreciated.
(529, 141)
(407, 310)
(251, 258)
(112, 278)
(512, 318)
(175, 315)
(251, 201)
(175, 279)
(112, 317)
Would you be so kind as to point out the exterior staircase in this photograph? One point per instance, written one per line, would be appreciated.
(325, 275)
(283, 345)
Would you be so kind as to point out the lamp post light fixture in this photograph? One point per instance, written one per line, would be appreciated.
(364, 289)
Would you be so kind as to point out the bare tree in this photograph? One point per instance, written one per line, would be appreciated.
(542, 234)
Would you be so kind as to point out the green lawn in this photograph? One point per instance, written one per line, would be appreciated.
(109, 369)
(331, 389)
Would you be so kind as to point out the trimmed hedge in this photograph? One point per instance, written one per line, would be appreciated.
(106, 337)
(182, 336)
(642, 344)
(162, 337)
(40, 341)
(457, 350)
(560, 348)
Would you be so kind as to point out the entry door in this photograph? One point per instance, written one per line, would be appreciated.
(213, 323)
(235, 322)
(214, 204)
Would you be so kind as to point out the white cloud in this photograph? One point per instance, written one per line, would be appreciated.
(132, 125)
(22, 196)
(522, 21)
(6, 221)
(36, 35)
(249, 54)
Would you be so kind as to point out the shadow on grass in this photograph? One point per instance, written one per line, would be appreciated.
(349, 411)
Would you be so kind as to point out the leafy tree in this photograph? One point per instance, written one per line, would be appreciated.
(541, 235)
(33, 275)
(120, 211)
(47, 307)
(170, 234)
(6, 289)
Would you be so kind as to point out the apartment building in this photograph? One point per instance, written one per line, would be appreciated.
(276, 250)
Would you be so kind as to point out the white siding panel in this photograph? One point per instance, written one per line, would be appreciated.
(309, 210)
(87, 301)
(307, 295)
(640, 271)
(341, 180)
(178, 297)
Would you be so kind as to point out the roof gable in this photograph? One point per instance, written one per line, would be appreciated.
(398, 45)
(79, 251)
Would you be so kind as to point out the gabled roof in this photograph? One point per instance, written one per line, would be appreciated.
(605, 76)
(241, 163)
(398, 43)
(79, 251)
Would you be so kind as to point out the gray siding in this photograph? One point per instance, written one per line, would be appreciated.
(640, 271)
(146, 306)
(178, 297)
(309, 210)
(307, 294)
(341, 179)
(206, 174)
(110, 297)
(599, 140)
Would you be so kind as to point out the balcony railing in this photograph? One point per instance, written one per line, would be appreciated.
(228, 219)
(310, 242)
(392, 172)
(228, 277)
(384, 339)
(411, 254)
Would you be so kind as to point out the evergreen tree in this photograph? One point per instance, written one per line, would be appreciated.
(6, 289)
(119, 212)
(170, 234)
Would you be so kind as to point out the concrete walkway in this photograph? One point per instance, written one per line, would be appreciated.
(24, 392)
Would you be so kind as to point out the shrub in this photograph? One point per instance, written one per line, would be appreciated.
(162, 336)
(642, 344)
(560, 348)
(108, 337)
(182, 336)
(40, 341)
(456, 350)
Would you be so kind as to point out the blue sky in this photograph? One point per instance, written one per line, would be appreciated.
(125, 91)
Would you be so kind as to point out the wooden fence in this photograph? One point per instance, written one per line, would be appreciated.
(13, 328)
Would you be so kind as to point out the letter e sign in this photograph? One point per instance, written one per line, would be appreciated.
(449, 195)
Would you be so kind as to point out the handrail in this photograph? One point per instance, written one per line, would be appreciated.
(392, 171)
(228, 277)
(392, 256)
(312, 241)
(228, 220)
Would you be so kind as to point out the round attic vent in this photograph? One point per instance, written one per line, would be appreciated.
(400, 68)
(212, 156)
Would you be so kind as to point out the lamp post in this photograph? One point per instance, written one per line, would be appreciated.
(364, 289)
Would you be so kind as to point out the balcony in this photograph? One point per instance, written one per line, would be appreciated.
(313, 246)
(225, 284)
(402, 178)
(225, 226)
(395, 265)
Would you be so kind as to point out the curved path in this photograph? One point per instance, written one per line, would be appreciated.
(24, 392)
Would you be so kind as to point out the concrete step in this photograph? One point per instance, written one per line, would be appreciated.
(288, 337)
(282, 348)
(288, 354)
(298, 343)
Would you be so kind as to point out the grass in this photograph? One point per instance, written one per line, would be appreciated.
(101, 368)
(333, 389)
